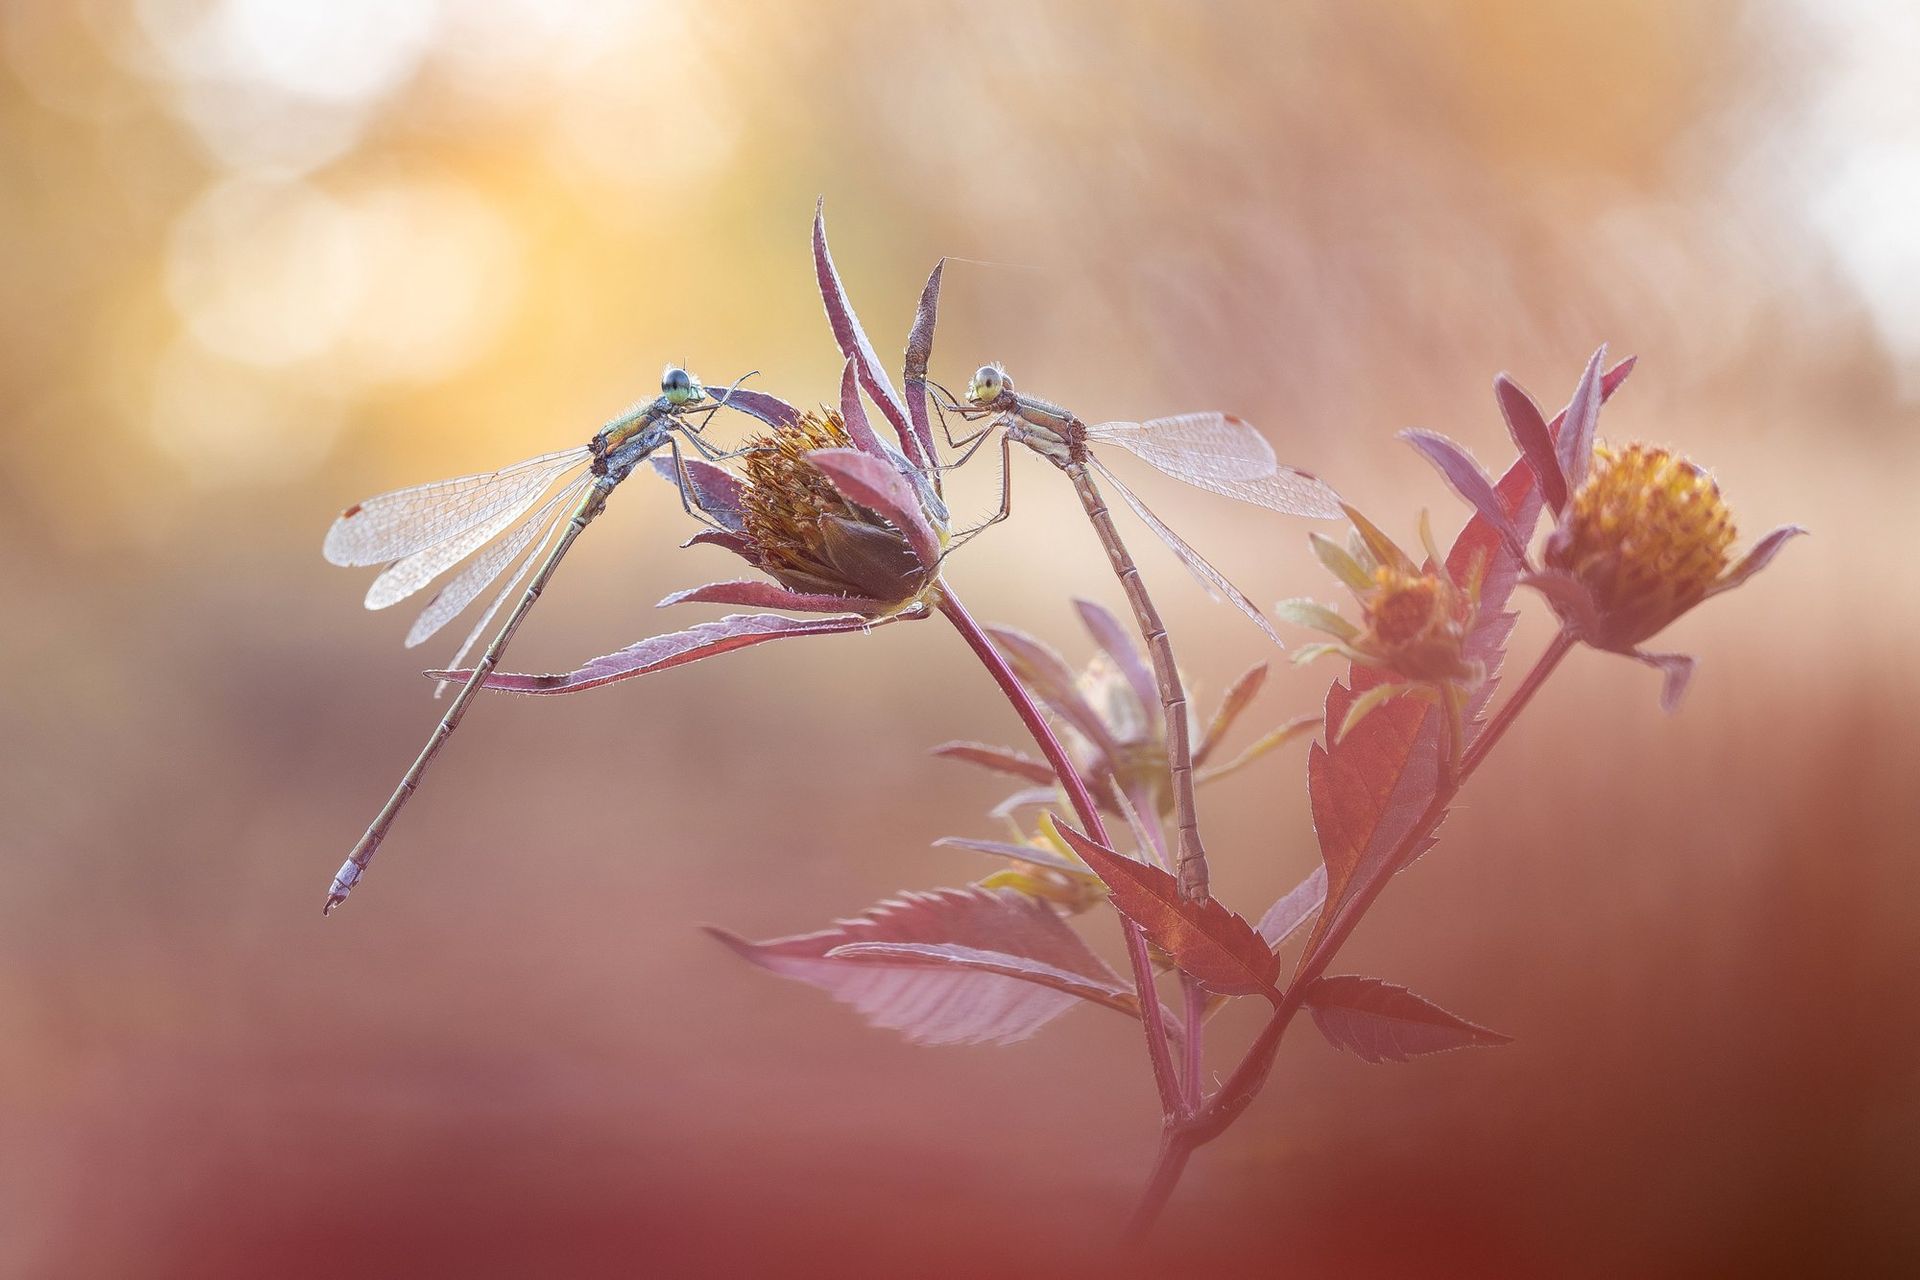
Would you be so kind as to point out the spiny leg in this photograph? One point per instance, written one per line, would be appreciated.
(682, 483)
(965, 536)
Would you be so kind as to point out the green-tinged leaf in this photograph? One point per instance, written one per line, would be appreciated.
(1028, 853)
(1219, 949)
(1380, 1022)
(1339, 562)
(1298, 727)
(1385, 550)
(1302, 612)
(1236, 699)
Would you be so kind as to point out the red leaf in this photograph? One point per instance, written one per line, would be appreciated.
(755, 594)
(1218, 948)
(999, 759)
(1380, 1022)
(852, 340)
(658, 653)
(1038, 966)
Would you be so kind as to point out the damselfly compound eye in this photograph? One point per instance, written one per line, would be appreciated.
(678, 386)
(988, 381)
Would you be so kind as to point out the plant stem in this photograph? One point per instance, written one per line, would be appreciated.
(1089, 816)
(1244, 1085)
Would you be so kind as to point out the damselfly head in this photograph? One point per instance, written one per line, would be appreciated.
(990, 382)
(680, 387)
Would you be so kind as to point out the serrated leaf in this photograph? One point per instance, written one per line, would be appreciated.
(948, 992)
(1380, 1022)
(1371, 788)
(1219, 949)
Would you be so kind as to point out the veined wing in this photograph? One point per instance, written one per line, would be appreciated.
(1209, 577)
(511, 585)
(1224, 455)
(460, 590)
(405, 522)
(405, 576)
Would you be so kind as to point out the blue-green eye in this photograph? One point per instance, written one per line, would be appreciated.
(678, 386)
(988, 381)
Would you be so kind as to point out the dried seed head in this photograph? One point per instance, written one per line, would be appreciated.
(1647, 534)
(807, 534)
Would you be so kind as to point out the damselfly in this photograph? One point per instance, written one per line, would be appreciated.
(1214, 451)
(422, 532)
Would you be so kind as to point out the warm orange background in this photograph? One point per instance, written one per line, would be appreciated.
(263, 258)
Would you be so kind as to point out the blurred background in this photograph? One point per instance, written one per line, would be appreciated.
(264, 258)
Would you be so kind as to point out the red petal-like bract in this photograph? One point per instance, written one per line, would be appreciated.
(1219, 949)
(1380, 1022)
(998, 759)
(657, 653)
(714, 490)
(1582, 422)
(874, 484)
(769, 409)
(853, 414)
(1116, 642)
(1458, 468)
(919, 352)
(986, 965)
(1528, 427)
(1372, 787)
(1042, 669)
(852, 340)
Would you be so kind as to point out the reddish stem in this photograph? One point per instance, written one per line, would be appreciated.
(1089, 816)
(1244, 1085)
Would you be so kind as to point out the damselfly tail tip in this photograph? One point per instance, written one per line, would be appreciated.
(343, 882)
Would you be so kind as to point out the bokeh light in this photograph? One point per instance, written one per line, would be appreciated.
(265, 258)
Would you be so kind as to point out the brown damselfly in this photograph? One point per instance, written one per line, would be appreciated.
(1213, 451)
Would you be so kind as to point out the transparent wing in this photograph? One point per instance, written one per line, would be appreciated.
(1209, 577)
(407, 575)
(508, 588)
(460, 590)
(1224, 455)
(396, 525)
